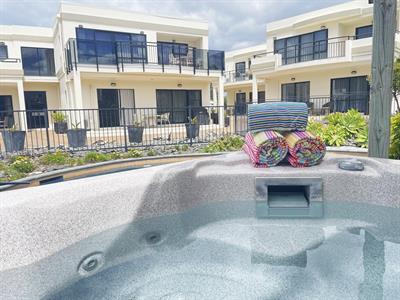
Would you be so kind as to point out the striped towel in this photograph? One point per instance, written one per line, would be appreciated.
(282, 116)
(265, 149)
(305, 149)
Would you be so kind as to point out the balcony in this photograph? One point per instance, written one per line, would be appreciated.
(141, 56)
(11, 66)
(234, 76)
(330, 49)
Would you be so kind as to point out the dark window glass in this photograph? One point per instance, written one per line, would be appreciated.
(3, 51)
(350, 92)
(304, 47)
(36, 103)
(38, 61)
(240, 68)
(363, 32)
(6, 111)
(103, 47)
(296, 92)
(216, 60)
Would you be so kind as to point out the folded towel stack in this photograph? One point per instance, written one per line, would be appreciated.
(266, 146)
(279, 116)
(305, 149)
(265, 149)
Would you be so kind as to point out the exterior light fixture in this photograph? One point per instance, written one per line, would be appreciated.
(292, 79)
(113, 84)
(323, 27)
(354, 72)
(179, 85)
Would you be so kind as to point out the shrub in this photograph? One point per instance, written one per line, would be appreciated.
(56, 158)
(348, 128)
(92, 157)
(11, 174)
(394, 151)
(133, 153)
(151, 152)
(22, 164)
(227, 143)
(58, 117)
(183, 147)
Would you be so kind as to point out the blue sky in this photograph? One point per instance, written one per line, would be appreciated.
(233, 24)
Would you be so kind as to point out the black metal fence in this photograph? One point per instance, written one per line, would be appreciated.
(36, 131)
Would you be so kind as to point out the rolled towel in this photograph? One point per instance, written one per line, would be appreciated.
(281, 116)
(305, 149)
(265, 149)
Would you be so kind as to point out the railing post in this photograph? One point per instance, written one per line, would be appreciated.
(190, 125)
(143, 57)
(194, 60)
(75, 57)
(179, 56)
(116, 55)
(122, 58)
(162, 57)
(46, 124)
(208, 63)
(235, 119)
(124, 125)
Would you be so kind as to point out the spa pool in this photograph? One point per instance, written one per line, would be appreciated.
(193, 231)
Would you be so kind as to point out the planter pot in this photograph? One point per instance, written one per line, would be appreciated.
(227, 121)
(14, 141)
(192, 131)
(135, 134)
(76, 138)
(60, 127)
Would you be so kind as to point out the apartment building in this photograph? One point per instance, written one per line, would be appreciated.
(94, 58)
(322, 57)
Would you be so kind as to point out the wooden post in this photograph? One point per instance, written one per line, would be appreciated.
(381, 73)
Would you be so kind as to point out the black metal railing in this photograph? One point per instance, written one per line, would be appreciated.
(123, 55)
(330, 48)
(235, 76)
(107, 129)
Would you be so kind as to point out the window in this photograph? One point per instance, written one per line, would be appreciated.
(6, 111)
(363, 32)
(216, 60)
(303, 47)
(105, 47)
(176, 102)
(3, 51)
(38, 61)
(240, 68)
(178, 50)
(296, 92)
(350, 92)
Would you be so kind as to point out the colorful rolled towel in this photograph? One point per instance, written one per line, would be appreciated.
(305, 149)
(281, 116)
(265, 149)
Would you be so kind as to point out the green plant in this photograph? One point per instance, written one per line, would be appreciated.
(193, 120)
(334, 118)
(22, 164)
(57, 158)
(58, 117)
(10, 174)
(92, 157)
(75, 126)
(316, 128)
(334, 135)
(151, 152)
(394, 150)
(133, 153)
(361, 139)
(115, 155)
(352, 122)
(227, 143)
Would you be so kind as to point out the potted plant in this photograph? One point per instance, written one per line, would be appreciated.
(60, 122)
(76, 136)
(135, 132)
(192, 129)
(14, 140)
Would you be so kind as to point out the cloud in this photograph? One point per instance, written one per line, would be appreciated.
(232, 23)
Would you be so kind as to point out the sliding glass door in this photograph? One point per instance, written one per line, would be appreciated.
(350, 92)
(176, 103)
(36, 104)
(296, 92)
(110, 101)
(6, 111)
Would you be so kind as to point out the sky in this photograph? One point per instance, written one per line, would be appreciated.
(233, 24)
